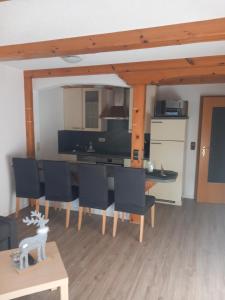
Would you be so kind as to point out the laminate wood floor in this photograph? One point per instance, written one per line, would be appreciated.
(182, 258)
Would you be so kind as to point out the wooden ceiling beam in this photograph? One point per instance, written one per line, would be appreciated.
(206, 79)
(177, 34)
(72, 71)
(163, 75)
(188, 63)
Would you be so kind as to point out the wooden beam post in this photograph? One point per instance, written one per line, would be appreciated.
(138, 127)
(29, 116)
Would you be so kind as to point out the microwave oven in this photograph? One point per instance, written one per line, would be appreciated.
(171, 108)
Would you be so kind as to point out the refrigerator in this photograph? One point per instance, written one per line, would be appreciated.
(167, 149)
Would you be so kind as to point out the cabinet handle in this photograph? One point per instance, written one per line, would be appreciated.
(156, 143)
(157, 122)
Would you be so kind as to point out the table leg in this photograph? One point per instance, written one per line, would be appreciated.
(64, 294)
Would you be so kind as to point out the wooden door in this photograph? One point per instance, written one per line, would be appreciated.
(211, 168)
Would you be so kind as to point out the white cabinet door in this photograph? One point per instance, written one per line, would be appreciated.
(170, 155)
(73, 107)
(164, 129)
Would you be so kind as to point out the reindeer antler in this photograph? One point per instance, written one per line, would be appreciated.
(39, 219)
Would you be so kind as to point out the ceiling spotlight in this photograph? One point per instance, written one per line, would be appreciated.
(72, 59)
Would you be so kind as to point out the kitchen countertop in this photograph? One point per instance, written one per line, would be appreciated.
(97, 154)
(155, 176)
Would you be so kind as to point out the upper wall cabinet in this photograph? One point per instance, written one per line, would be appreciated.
(82, 107)
(149, 108)
(73, 108)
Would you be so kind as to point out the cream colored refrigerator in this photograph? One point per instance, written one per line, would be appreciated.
(167, 149)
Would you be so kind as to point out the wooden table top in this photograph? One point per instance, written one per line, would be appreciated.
(50, 270)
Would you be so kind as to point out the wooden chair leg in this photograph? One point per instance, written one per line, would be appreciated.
(80, 216)
(103, 221)
(142, 221)
(46, 209)
(123, 216)
(115, 220)
(32, 202)
(153, 216)
(37, 205)
(68, 208)
(17, 206)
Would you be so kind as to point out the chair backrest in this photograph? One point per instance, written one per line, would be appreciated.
(26, 177)
(129, 188)
(93, 186)
(57, 177)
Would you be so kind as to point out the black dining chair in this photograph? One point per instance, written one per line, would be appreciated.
(130, 196)
(8, 233)
(58, 185)
(94, 193)
(27, 179)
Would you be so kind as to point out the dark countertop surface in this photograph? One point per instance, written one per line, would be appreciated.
(156, 175)
(171, 118)
(95, 154)
(162, 176)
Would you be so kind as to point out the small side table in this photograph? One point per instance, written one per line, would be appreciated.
(46, 275)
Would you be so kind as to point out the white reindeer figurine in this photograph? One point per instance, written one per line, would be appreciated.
(37, 241)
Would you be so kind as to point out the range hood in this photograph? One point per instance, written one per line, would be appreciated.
(119, 110)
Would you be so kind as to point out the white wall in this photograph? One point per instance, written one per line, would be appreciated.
(192, 93)
(12, 132)
(48, 117)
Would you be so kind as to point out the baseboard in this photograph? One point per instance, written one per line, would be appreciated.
(188, 198)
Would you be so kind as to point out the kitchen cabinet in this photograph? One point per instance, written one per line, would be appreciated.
(82, 107)
(149, 107)
(73, 107)
(167, 148)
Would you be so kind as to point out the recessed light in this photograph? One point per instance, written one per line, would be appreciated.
(72, 59)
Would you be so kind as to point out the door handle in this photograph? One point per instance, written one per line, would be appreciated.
(204, 149)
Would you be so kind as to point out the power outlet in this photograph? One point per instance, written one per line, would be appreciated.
(135, 154)
(101, 140)
(193, 145)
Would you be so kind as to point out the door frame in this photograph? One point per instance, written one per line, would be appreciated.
(199, 142)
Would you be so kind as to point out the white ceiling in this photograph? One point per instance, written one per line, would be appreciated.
(34, 20)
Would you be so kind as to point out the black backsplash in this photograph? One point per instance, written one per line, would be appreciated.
(115, 141)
